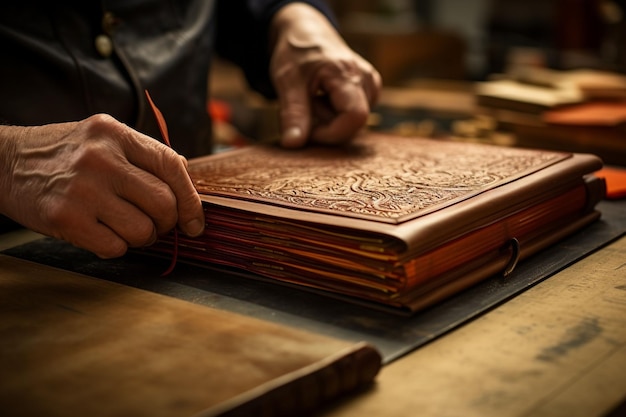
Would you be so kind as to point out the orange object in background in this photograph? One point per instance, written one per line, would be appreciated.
(615, 182)
(219, 110)
(596, 113)
(226, 135)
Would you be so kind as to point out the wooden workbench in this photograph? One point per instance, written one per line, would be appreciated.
(558, 349)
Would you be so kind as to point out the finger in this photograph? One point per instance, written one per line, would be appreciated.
(102, 241)
(169, 168)
(148, 194)
(95, 237)
(134, 151)
(372, 84)
(128, 222)
(295, 111)
(351, 108)
(372, 81)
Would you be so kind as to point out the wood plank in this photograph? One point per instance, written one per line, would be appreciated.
(71, 345)
(558, 349)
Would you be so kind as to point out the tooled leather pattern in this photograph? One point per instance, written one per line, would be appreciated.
(381, 177)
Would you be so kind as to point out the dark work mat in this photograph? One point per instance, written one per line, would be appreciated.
(393, 335)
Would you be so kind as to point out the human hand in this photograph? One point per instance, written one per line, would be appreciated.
(97, 184)
(325, 90)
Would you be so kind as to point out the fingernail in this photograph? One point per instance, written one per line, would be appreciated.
(292, 137)
(194, 228)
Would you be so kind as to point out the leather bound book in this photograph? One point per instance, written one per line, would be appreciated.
(390, 221)
(72, 345)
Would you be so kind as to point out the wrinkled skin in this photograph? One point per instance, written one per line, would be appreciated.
(325, 89)
(96, 183)
(104, 187)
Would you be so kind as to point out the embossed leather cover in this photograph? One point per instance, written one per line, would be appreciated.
(399, 221)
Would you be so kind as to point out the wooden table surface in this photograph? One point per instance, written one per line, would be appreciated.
(558, 349)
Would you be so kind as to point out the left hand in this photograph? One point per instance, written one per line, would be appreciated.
(325, 89)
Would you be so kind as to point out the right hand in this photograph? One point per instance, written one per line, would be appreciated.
(97, 184)
(325, 89)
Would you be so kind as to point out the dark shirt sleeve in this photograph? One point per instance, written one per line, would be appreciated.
(242, 36)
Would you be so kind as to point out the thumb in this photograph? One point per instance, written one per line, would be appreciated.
(295, 115)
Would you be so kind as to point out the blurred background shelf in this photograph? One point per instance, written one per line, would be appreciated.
(439, 58)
